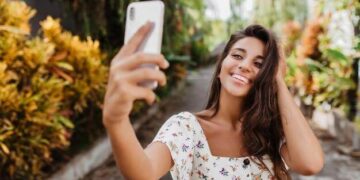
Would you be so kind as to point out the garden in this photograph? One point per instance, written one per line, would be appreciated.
(53, 79)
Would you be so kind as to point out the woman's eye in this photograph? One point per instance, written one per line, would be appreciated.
(236, 56)
(258, 65)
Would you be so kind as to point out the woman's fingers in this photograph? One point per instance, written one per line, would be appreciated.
(137, 76)
(127, 93)
(119, 102)
(145, 73)
(126, 73)
(137, 59)
(134, 43)
(143, 93)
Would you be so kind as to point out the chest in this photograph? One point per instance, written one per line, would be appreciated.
(222, 142)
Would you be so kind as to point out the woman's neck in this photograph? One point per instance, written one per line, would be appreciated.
(230, 109)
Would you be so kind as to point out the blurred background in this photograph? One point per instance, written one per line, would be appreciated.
(55, 55)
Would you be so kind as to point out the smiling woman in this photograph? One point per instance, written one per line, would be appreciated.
(244, 89)
(242, 63)
(250, 129)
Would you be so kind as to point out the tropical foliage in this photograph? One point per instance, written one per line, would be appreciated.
(185, 26)
(52, 84)
(322, 71)
(44, 81)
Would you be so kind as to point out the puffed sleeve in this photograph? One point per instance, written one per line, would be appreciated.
(177, 134)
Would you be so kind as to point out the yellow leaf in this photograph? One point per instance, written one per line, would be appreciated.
(13, 29)
(31, 106)
(4, 148)
(65, 66)
(5, 135)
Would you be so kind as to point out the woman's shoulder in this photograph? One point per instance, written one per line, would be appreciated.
(183, 122)
(182, 117)
(177, 128)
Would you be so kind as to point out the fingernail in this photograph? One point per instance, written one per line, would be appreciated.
(149, 23)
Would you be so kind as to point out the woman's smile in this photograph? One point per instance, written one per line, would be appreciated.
(240, 79)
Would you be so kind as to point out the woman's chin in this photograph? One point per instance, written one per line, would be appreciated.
(237, 92)
(239, 95)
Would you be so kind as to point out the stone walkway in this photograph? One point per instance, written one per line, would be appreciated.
(193, 98)
(337, 166)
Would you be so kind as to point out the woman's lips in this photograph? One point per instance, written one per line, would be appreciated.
(239, 78)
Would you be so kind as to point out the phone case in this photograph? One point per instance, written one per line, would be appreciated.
(138, 13)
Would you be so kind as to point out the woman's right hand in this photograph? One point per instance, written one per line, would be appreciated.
(125, 74)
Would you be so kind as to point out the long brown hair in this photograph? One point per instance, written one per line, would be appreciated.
(261, 126)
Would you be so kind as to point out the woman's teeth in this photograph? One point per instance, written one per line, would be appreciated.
(241, 78)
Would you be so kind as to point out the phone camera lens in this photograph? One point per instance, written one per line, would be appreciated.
(132, 13)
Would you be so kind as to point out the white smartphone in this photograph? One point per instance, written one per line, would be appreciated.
(138, 13)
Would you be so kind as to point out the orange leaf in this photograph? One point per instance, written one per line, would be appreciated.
(62, 74)
(59, 56)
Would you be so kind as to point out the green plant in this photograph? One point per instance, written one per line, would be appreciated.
(44, 81)
(236, 22)
(273, 13)
(185, 27)
(323, 72)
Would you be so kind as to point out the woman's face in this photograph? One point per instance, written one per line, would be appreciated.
(241, 65)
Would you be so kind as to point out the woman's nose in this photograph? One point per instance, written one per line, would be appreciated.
(244, 65)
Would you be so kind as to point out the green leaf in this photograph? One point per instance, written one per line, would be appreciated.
(337, 55)
(345, 83)
(314, 65)
(65, 121)
(65, 66)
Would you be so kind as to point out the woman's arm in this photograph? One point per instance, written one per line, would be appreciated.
(302, 151)
(133, 161)
(122, 90)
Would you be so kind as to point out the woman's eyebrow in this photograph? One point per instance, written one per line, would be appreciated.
(244, 51)
(240, 49)
(259, 57)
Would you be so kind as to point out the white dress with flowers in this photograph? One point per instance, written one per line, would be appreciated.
(192, 158)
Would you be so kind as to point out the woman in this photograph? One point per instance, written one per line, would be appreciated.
(250, 129)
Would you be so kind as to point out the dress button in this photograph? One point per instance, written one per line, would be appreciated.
(246, 162)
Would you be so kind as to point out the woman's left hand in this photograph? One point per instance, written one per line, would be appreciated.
(281, 72)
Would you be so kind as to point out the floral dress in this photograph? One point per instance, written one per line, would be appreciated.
(190, 151)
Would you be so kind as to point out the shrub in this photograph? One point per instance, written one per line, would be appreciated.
(44, 80)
